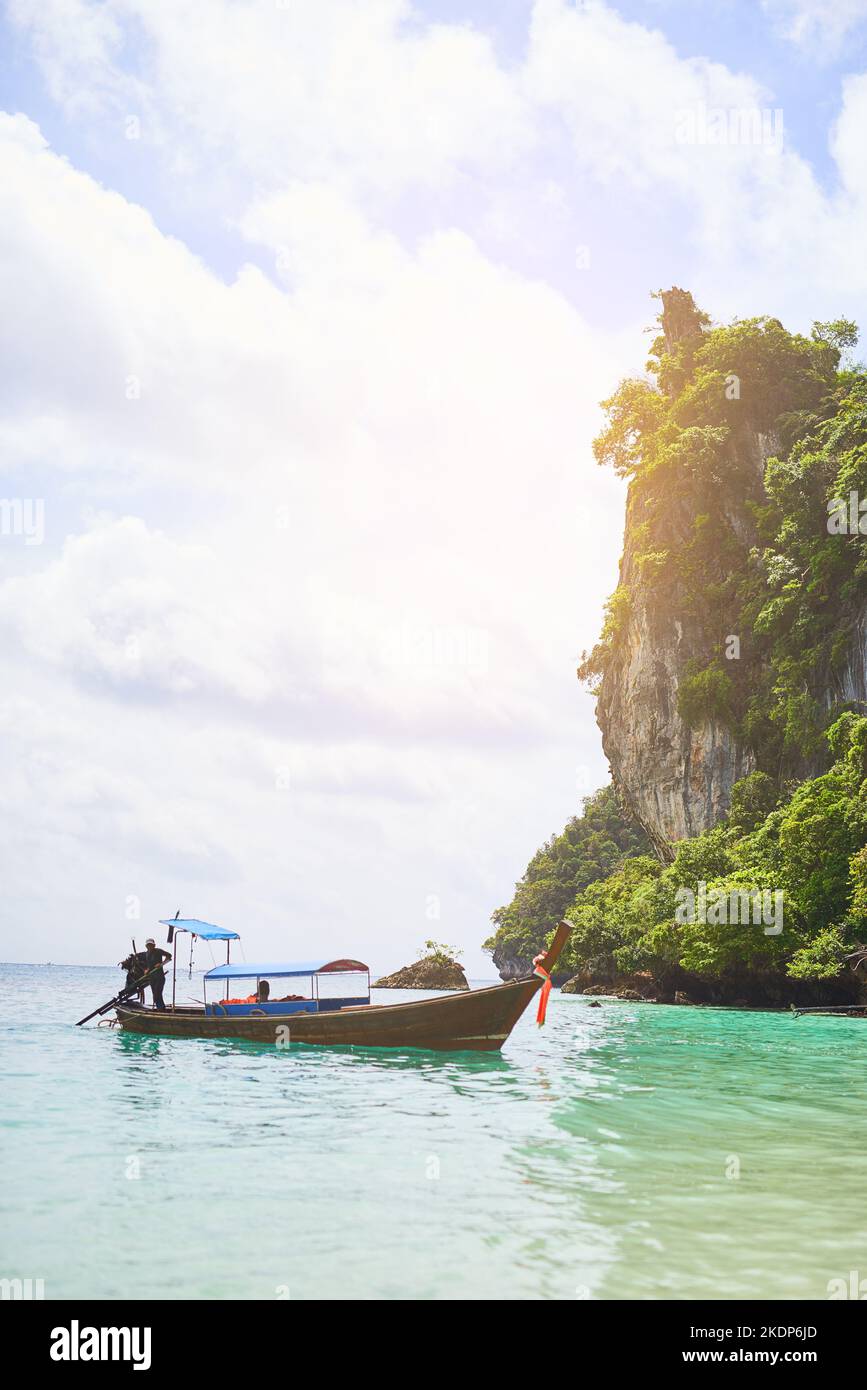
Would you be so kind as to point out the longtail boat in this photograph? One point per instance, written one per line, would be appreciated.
(335, 1009)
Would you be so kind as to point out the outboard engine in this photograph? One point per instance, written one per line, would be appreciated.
(135, 968)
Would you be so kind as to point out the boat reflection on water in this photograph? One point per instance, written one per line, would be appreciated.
(142, 1050)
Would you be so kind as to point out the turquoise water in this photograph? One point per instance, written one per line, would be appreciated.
(588, 1160)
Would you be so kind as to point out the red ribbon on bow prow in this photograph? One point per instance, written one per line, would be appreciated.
(539, 969)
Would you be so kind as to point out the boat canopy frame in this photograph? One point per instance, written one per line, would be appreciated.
(249, 970)
(284, 970)
(206, 930)
(256, 970)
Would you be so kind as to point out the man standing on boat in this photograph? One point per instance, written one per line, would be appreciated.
(155, 955)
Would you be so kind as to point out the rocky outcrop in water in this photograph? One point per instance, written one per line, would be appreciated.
(432, 972)
(638, 986)
(741, 990)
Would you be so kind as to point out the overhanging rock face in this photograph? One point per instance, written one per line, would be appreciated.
(675, 779)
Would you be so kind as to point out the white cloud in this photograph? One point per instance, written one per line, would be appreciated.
(848, 144)
(358, 93)
(78, 45)
(343, 506)
(620, 88)
(318, 236)
(817, 24)
(285, 114)
(125, 605)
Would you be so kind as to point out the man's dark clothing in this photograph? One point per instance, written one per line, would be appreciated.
(154, 956)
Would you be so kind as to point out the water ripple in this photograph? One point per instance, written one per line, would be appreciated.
(627, 1151)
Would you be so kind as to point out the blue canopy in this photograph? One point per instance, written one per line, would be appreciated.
(202, 929)
(266, 969)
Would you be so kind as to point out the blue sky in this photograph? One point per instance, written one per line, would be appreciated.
(310, 309)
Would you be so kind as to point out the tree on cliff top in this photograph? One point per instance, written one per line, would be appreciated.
(751, 370)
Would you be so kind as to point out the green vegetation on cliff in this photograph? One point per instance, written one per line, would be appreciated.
(807, 846)
(590, 847)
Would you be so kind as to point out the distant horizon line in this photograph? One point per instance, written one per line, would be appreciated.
(74, 965)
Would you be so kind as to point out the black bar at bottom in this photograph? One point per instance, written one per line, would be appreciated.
(229, 1338)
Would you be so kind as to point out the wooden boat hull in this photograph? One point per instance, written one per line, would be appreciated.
(478, 1020)
(474, 1020)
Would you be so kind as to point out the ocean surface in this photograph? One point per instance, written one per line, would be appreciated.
(625, 1151)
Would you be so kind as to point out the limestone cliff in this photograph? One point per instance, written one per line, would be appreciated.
(675, 780)
(692, 536)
